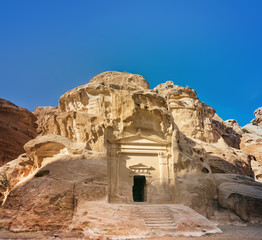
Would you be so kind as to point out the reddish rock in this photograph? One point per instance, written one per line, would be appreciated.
(17, 127)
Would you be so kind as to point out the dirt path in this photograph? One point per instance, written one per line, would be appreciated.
(230, 232)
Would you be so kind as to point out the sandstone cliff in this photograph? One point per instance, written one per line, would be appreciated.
(115, 128)
(17, 127)
(251, 142)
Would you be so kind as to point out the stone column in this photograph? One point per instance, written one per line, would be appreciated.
(163, 168)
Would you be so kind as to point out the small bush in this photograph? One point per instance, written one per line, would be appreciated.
(245, 130)
(255, 123)
(4, 182)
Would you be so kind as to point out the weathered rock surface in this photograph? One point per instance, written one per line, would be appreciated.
(42, 115)
(251, 142)
(116, 140)
(12, 173)
(99, 115)
(119, 80)
(48, 198)
(234, 124)
(241, 194)
(224, 159)
(17, 126)
(68, 193)
(125, 115)
(192, 117)
(258, 117)
(229, 130)
(253, 129)
(49, 145)
(133, 220)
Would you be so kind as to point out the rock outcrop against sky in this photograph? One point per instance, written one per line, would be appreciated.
(17, 127)
(115, 141)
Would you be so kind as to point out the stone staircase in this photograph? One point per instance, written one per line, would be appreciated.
(157, 217)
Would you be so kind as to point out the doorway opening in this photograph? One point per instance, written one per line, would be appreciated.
(139, 188)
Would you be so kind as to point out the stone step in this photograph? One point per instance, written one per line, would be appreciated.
(161, 220)
(162, 226)
(159, 223)
(153, 209)
(157, 217)
(166, 229)
(162, 213)
(155, 213)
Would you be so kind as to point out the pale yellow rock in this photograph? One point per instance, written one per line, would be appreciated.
(114, 141)
(258, 117)
(251, 142)
(234, 125)
(121, 80)
(224, 159)
(192, 117)
(241, 194)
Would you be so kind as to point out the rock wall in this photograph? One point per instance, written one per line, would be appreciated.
(192, 117)
(166, 135)
(17, 126)
(251, 142)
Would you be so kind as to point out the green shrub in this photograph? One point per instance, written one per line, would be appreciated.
(4, 182)
(245, 130)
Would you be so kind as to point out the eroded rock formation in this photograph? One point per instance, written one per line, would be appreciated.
(240, 194)
(17, 127)
(115, 140)
(251, 142)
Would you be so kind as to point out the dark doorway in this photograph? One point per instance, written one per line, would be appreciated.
(139, 189)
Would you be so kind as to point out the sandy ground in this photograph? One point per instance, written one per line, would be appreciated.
(230, 232)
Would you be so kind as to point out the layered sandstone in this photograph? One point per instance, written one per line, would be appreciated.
(119, 80)
(17, 126)
(258, 117)
(192, 117)
(102, 113)
(113, 132)
(251, 142)
(221, 139)
(241, 194)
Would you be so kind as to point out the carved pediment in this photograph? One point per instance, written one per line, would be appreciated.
(140, 168)
(140, 139)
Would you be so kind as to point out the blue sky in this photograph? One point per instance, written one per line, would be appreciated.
(214, 47)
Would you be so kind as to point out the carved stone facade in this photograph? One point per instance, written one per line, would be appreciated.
(139, 156)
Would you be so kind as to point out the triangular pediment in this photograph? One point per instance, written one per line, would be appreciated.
(140, 139)
(139, 166)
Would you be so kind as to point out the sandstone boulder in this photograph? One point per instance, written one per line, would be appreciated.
(121, 80)
(48, 198)
(258, 117)
(17, 126)
(241, 194)
(43, 114)
(232, 123)
(253, 128)
(224, 159)
(251, 142)
(229, 131)
(13, 172)
(49, 145)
